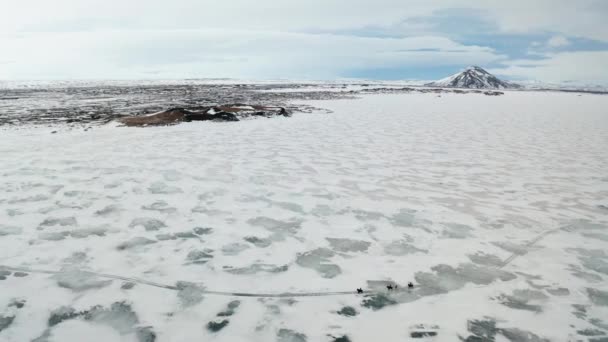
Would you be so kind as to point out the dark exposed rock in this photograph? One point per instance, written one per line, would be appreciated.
(457, 231)
(378, 301)
(160, 206)
(127, 285)
(145, 334)
(234, 248)
(169, 117)
(518, 303)
(9, 230)
(276, 226)
(64, 313)
(165, 237)
(421, 334)
(597, 236)
(518, 335)
(445, 278)
(599, 323)
(232, 306)
(221, 116)
(474, 338)
(6, 321)
(590, 332)
(594, 263)
(348, 245)
(108, 210)
(61, 221)
(258, 242)
(318, 259)
(218, 113)
(348, 311)
(257, 268)
(198, 256)
(560, 291)
(149, 224)
(287, 335)
(189, 294)
(217, 326)
(134, 242)
(202, 231)
(186, 235)
(80, 281)
(598, 297)
(119, 316)
(18, 303)
(588, 276)
(482, 330)
(423, 330)
(486, 331)
(400, 248)
(599, 339)
(580, 311)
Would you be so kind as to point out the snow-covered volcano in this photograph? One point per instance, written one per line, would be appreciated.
(473, 77)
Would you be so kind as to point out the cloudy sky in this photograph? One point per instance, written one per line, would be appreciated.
(544, 40)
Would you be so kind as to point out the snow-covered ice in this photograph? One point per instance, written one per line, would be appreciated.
(495, 207)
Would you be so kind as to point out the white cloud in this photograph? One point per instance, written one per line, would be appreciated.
(558, 41)
(581, 66)
(262, 38)
(584, 18)
(222, 53)
(581, 18)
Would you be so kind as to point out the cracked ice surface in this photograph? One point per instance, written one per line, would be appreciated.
(385, 190)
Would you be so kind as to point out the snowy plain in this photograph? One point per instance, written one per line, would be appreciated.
(495, 207)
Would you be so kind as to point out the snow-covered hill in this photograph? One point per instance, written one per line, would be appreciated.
(473, 77)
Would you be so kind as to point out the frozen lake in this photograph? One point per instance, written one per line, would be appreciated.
(495, 207)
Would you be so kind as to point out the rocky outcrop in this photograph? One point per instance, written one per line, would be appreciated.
(168, 117)
(233, 112)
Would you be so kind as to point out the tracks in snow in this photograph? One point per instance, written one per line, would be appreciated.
(528, 245)
(176, 288)
(507, 261)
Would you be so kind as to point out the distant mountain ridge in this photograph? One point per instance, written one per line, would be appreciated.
(473, 77)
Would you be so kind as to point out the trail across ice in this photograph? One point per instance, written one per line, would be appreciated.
(174, 287)
(245, 294)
